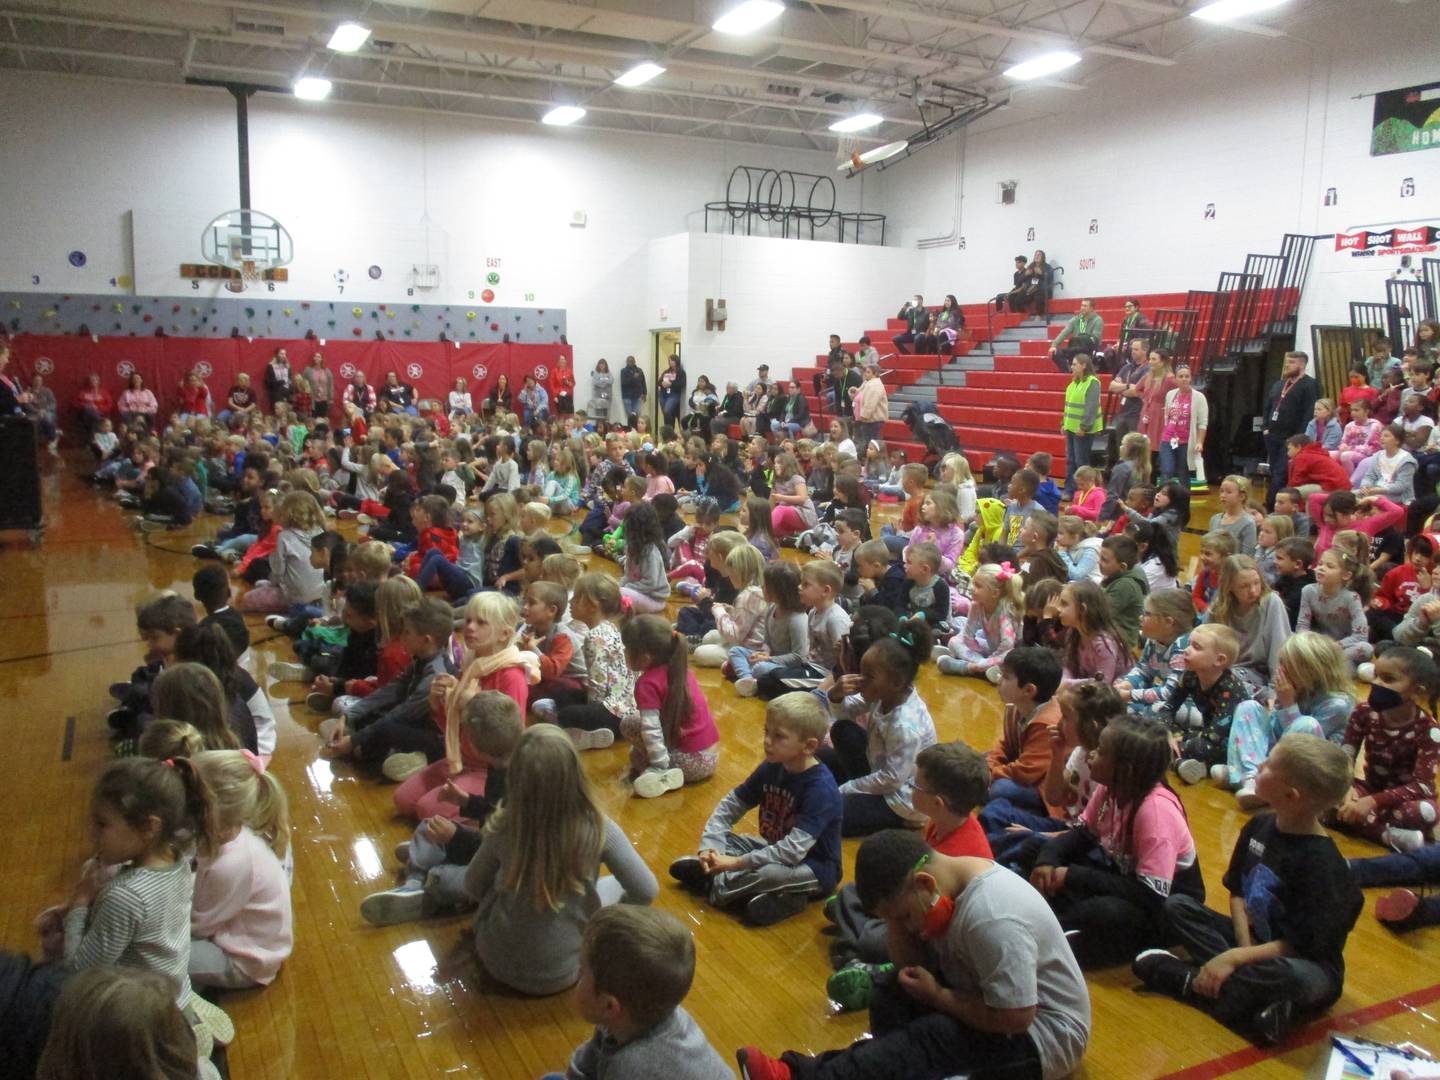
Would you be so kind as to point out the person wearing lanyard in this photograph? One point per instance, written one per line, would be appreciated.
(1289, 406)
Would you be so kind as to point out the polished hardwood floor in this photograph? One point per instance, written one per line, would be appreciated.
(354, 1001)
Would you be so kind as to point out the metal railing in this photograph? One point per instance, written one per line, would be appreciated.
(1331, 347)
(1369, 320)
(1413, 301)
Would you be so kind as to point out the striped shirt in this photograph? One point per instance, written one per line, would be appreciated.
(139, 918)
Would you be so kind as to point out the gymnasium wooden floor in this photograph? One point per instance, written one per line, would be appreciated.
(407, 1001)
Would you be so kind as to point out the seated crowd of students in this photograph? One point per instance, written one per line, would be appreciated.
(464, 649)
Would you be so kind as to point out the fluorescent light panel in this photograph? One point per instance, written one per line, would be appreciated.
(349, 36)
(1228, 10)
(1046, 64)
(858, 122)
(642, 72)
(748, 17)
(312, 88)
(562, 115)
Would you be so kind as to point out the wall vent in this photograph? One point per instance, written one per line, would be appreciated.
(259, 23)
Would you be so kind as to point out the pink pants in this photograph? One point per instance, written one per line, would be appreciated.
(786, 521)
(419, 795)
(263, 597)
(645, 605)
(690, 568)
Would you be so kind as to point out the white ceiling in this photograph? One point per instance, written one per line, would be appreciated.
(512, 59)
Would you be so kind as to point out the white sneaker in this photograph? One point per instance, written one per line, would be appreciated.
(393, 906)
(327, 728)
(400, 767)
(1246, 797)
(747, 686)
(1365, 672)
(276, 622)
(1192, 771)
(937, 651)
(287, 672)
(365, 519)
(993, 674)
(591, 740)
(656, 782)
(1220, 774)
(1404, 840)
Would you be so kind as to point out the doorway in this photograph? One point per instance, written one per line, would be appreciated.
(664, 344)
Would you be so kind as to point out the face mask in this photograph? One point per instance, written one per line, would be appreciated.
(937, 917)
(1383, 698)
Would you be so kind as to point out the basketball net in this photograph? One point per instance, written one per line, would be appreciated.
(847, 149)
(249, 273)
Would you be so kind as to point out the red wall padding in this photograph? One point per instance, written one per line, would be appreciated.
(430, 367)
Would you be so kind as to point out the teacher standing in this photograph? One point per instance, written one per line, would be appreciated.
(672, 390)
(1289, 406)
(1082, 417)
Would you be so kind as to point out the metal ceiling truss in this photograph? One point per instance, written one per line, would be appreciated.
(512, 59)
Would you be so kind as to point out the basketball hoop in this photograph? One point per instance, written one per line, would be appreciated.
(250, 242)
(249, 274)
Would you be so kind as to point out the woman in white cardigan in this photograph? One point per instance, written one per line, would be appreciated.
(1182, 435)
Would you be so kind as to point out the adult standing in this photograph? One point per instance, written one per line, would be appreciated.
(1289, 406)
(602, 386)
(137, 402)
(916, 320)
(277, 378)
(322, 386)
(561, 383)
(633, 390)
(360, 393)
(1182, 438)
(1082, 416)
(500, 399)
(12, 394)
(400, 395)
(1126, 384)
(1153, 389)
(872, 407)
(92, 401)
(1082, 334)
(844, 383)
(671, 390)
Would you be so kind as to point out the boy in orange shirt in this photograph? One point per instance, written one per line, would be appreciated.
(912, 482)
(1029, 677)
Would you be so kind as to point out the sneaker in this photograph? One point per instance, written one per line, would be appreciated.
(1273, 1023)
(327, 728)
(992, 675)
(214, 1019)
(755, 1064)
(690, 874)
(348, 515)
(1246, 797)
(402, 852)
(937, 651)
(1192, 771)
(230, 556)
(746, 686)
(694, 641)
(769, 908)
(1162, 970)
(287, 672)
(153, 526)
(653, 783)
(850, 988)
(1220, 774)
(401, 905)
(1404, 840)
(121, 719)
(318, 702)
(598, 739)
(1365, 672)
(400, 767)
(204, 551)
(276, 622)
(365, 519)
(120, 690)
(1426, 650)
(830, 907)
(1398, 910)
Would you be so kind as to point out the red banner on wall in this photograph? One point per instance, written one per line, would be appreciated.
(432, 368)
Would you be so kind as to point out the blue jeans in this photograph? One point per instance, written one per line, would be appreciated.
(434, 567)
(1077, 453)
(866, 814)
(670, 406)
(790, 428)
(743, 668)
(1020, 796)
(632, 406)
(1175, 462)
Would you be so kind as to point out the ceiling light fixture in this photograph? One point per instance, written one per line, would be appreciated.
(642, 72)
(1229, 10)
(1046, 64)
(348, 37)
(747, 17)
(858, 122)
(312, 88)
(562, 115)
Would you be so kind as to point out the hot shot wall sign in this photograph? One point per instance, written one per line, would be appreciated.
(1412, 241)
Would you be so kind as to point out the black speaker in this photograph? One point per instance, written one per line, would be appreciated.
(19, 475)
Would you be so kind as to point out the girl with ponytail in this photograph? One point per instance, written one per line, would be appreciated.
(673, 739)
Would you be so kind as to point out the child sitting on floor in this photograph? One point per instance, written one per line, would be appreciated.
(997, 602)
(1334, 608)
(1165, 633)
(827, 623)
(1199, 707)
(1294, 559)
(1092, 644)
(928, 595)
(1215, 547)
(741, 624)
(796, 857)
(562, 664)
(785, 634)
(1279, 951)
(673, 739)
(697, 620)
(1021, 757)
(1125, 584)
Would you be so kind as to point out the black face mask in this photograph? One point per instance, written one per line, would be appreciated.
(1383, 698)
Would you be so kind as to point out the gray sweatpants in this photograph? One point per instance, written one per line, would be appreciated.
(211, 966)
(737, 886)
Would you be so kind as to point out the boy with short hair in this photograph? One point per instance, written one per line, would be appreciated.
(850, 526)
(211, 586)
(1013, 999)
(912, 484)
(1020, 503)
(159, 620)
(797, 855)
(562, 663)
(636, 966)
(247, 524)
(436, 856)
(1294, 559)
(1047, 494)
(1125, 584)
(928, 594)
(1202, 702)
(879, 575)
(396, 717)
(820, 585)
(1280, 950)
(1290, 502)
(359, 657)
(1029, 677)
